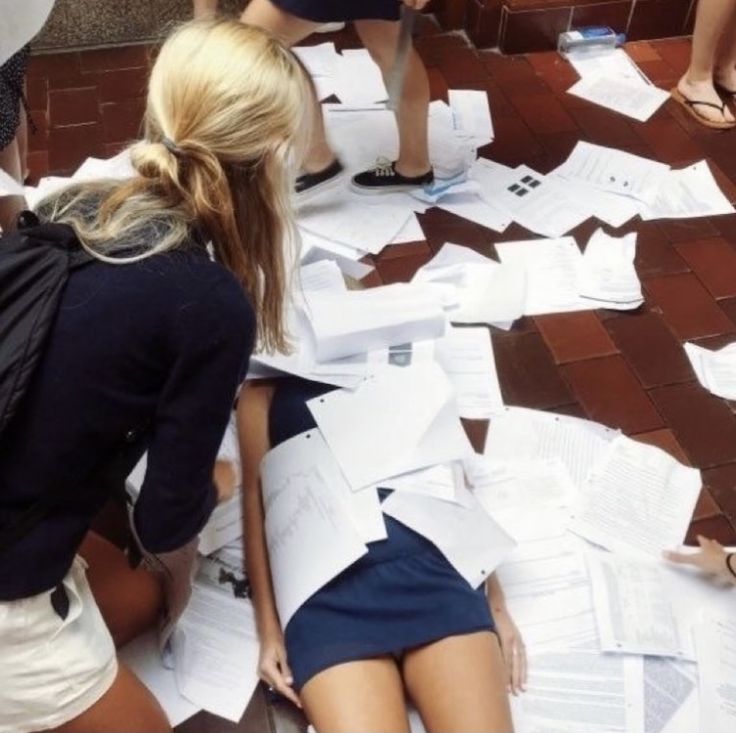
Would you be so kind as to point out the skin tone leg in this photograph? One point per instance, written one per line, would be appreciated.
(11, 206)
(458, 684)
(291, 30)
(204, 8)
(127, 705)
(725, 73)
(357, 697)
(130, 600)
(697, 83)
(380, 38)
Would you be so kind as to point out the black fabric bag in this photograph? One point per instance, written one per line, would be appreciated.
(35, 264)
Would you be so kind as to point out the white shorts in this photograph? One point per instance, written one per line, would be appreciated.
(52, 670)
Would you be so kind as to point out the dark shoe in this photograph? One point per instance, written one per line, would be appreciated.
(309, 185)
(384, 178)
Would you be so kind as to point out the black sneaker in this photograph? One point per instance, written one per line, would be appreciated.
(309, 185)
(384, 178)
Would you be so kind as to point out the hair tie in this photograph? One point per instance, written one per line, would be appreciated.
(171, 146)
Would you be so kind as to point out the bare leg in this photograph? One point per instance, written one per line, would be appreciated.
(357, 697)
(697, 83)
(204, 8)
(290, 30)
(380, 38)
(127, 705)
(11, 206)
(725, 73)
(130, 601)
(459, 684)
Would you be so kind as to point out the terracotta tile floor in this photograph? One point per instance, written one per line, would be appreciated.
(627, 370)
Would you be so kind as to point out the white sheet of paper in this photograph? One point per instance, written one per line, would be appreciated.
(355, 224)
(716, 370)
(410, 232)
(687, 194)
(355, 321)
(474, 208)
(311, 241)
(9, 186)
(615, 171)
(310, 533)
(224, 525)
(540, 204)
(407, 416)
(21, 22)
(638, 499)
(630, 98)
(322, 275)
(143, 657)
(438, 482)
(614, 62)
(358, 79)
(634, 611)
(472, 114)
(215, 649)
(466, 355)
(470, 540)
(581, 692)
(366, 513)
(118, 167)
(608, 277)
(552, 273)
(669, 685)
(520, 434)
(715, 639)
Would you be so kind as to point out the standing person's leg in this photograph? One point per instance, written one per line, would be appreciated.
(380, 38)
(204, 8)
(458, 684)
(725, 72)
(11, 206)
(357, 697)
(291, 30)
(697, 83)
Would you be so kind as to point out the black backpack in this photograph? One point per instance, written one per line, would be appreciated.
(35, 263)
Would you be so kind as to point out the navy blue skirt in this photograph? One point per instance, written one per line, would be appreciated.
(401, 595)
(328, 11)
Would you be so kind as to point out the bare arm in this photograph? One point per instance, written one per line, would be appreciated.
(253, 408)
(512, 645)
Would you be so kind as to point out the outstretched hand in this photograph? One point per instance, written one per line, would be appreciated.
(711, 559)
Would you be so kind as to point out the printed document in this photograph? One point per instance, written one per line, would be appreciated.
(715, 640)
(310, 532)
(613, 62)
(628, 97)
(472, 115)
(633, 608)
(637, 500)
(669, 691)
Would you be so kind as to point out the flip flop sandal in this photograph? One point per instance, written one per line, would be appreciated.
(689, 106)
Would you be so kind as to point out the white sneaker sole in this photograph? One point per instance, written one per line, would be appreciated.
(379, 190)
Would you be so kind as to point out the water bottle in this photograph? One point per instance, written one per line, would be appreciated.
(590, 38)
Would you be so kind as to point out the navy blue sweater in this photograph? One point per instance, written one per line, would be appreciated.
(163, 342)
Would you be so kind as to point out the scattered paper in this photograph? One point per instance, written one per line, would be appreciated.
(716, 370)
(358, 80)
(638, 499)
(630, 98)
(613, 62)
(472, 115)
(438, 482)
(668, 685)
(9, 186)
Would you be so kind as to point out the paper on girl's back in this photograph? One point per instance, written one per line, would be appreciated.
(143, 657)
(310, 533)
(399, 420)
(470, 540)
(439, 482)
(353, 321)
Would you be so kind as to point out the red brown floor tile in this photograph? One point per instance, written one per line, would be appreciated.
(721, 483)
(610, 393)
(654, 253)
(715, 528)
(713, 260)
(666, 440)
(650, 349)
(575, 336)
(703, 424)
(688, 307)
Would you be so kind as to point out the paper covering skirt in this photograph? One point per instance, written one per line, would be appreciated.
(328, 11)
(401, 595)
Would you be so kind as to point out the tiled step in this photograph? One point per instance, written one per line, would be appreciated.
(521, 26)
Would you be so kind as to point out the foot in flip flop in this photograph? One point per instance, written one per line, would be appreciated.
(702, 102)
(724, 80)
